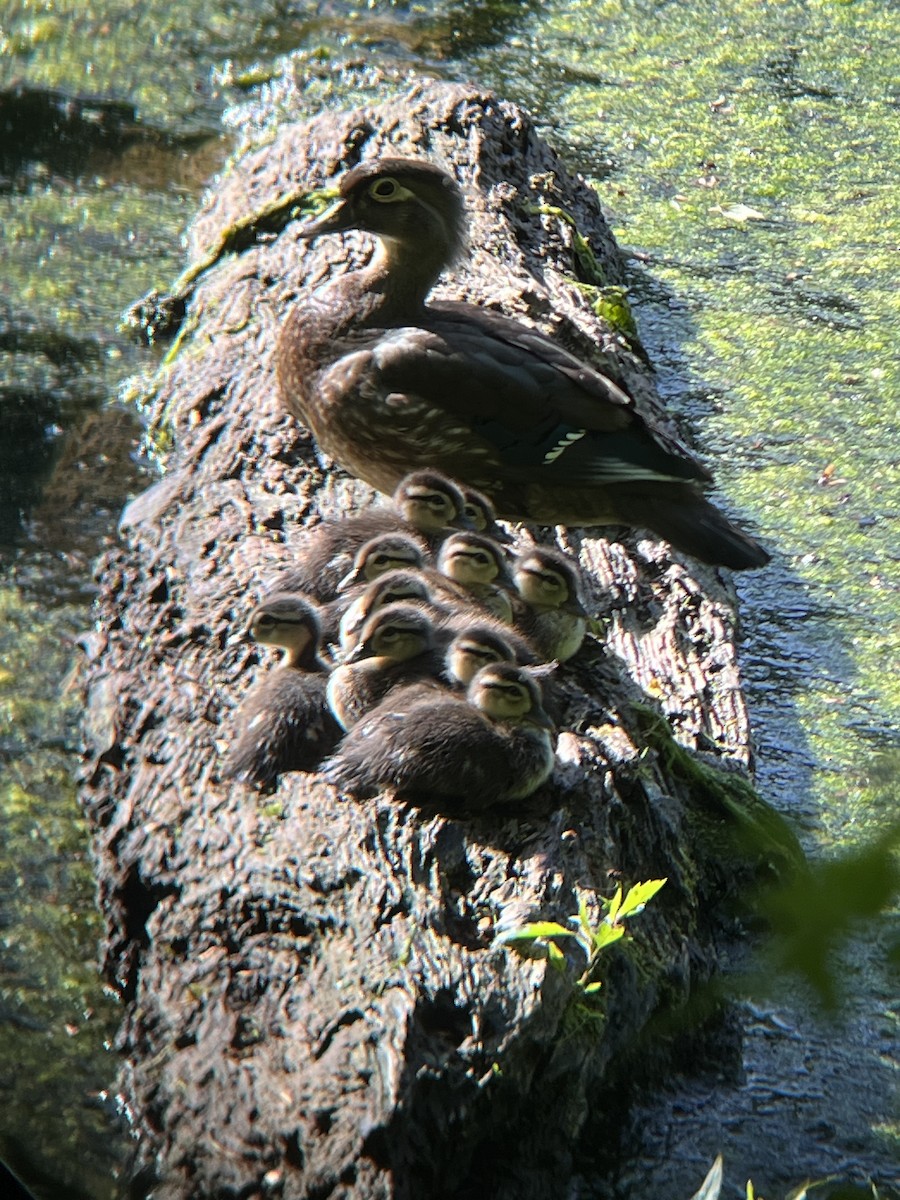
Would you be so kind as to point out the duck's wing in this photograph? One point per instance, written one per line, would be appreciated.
(531, 405)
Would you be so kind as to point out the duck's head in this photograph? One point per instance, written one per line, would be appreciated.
(387, 552)
(474, 647)
(410, 204)
(286, 619)
(396, 633)
(547, 578)
(430, 501)
(505, 692)
(471, 558)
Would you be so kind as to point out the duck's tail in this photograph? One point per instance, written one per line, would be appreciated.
(685, 518)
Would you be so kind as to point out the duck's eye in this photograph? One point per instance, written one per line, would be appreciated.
(384, 189)
(266, 621)
(482, 560)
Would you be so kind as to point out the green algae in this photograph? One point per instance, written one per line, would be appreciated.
(787, 322)
(57, 1021)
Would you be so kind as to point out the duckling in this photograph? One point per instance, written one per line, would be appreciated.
(493, 746)
(388, 383)
(386, 552)
(473, 647)
(393, 587)
(425, 505)
(481, 516)
(478, 564)
(397, 645)
(284, 724)
(551, 614)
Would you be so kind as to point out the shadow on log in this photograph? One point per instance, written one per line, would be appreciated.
(315, 1001)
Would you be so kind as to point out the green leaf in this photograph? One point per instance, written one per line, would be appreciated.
(612, 906)
(712, 1184)
(591, 988)
(537, 929)
(584, 916)
(606, 935)
(556, 957)
(638, 896)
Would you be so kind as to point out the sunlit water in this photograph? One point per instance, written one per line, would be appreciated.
(748, 156)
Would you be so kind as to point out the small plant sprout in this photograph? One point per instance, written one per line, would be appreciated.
(539, 938)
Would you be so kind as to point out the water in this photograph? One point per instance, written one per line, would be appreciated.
(747, 154)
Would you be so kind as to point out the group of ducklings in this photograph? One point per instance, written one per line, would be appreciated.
(413, 644)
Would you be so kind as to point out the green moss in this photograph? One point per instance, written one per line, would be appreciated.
(741, 822)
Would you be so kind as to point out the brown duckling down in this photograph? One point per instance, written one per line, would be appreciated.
(284, 724)
(492, 746)
(404, 631)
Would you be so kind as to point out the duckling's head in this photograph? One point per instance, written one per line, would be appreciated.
(430, 501)
(387, 552)
(286, 619)
(405, 201)
(397, 632)
(474, 647)
(395, 587)
(481, 515)
(549, 579)
(472, 558)
(505, 692)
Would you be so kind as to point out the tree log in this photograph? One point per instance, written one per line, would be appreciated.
(316, 1000)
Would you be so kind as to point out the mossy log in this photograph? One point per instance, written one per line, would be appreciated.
(315, 1000)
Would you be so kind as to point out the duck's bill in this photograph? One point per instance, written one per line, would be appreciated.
(334, 219)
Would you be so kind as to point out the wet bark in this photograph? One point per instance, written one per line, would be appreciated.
(315, 1003)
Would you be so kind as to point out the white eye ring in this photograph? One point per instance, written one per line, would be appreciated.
(384, 189)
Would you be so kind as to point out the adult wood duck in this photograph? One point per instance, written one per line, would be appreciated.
(479, 565)
(387, 382)
(398, 645)
(493, 746)
(551, 614)
(426, 505)
(284, 724)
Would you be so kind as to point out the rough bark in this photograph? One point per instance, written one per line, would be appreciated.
(315, 1004)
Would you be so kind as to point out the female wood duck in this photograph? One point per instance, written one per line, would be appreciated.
(478, 564)
(493, 746)
(426, 505)
(398, 645)
(284, 724)
(387, 382)
(551, 614)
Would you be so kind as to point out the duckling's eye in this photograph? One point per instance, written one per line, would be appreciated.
(482, 559)
(266, 621)
(380, 559)
(384, 189)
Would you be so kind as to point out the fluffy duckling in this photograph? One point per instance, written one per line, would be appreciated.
(425, 506)
(481, 516)
(478, 564)
(386, 552)
(394, 587)
(397, 645)
(284, 724)
(493, 746)
(551, 615)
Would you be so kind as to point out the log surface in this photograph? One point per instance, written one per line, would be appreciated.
(315, 1003)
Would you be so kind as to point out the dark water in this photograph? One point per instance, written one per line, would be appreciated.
(748, 157)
